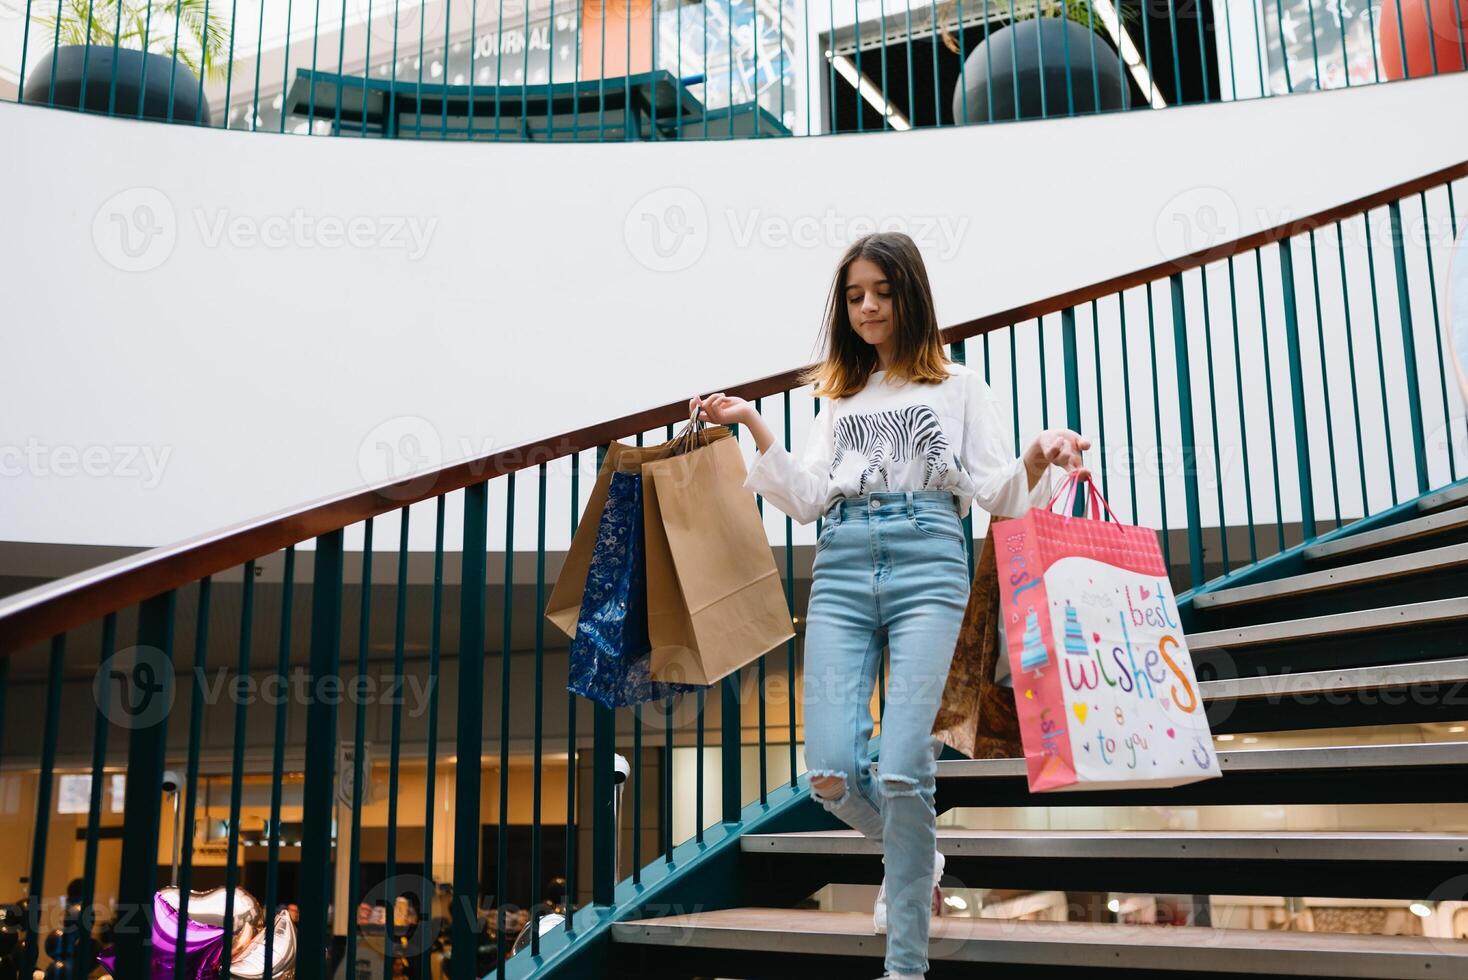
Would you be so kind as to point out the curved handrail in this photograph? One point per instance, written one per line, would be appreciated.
(44, 611)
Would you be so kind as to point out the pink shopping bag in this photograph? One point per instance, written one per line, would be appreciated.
(1103, 684)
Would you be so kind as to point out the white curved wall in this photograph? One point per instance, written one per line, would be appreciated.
(200, 327)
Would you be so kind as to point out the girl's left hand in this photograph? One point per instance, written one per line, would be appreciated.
(1059, 447)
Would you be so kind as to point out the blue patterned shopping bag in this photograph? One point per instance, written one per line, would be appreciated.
(609, 651)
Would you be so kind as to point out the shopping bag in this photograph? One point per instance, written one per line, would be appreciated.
(564, 605)
(714, 598)
(1104, 687)
(977, 715)
(609, 651)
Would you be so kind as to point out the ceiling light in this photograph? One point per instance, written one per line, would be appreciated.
(1114, 905)
(955, 902)
(1224, 738)
(1422, 910)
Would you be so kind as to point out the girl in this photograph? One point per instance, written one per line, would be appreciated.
(906, 442)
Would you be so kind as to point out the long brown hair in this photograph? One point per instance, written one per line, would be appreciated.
(850, 360)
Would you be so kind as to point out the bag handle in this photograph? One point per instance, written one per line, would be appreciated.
(1096, 501)
(690, 437)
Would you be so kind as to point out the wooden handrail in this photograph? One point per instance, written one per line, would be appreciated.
(40, 613)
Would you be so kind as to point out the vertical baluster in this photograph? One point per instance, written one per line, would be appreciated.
(698, 770)
(571, 756)
(958, 352)
(36, 924)
(147, 744)
(1185, 424)
(191, 768)
(1386, 416)
(1335, 487)
(790, 603)
(430, 777)
(1297, 389)
(469, 744)
(237, 763)
(1157, 429)
(1409, 343)
(359, 735)
(1126, 400)
(1177, 76)
(1100, 401)
(667, 774)
(278, 762)
(502, 850)
(321, 736)
(764, 762)
(1269, 396)
(1233, 309)
(1044, 385)
(395, 750)
(1072, 384)
(1213, 418)
(94, 804)
(1437, 333)
(537, 750)
(1351, 361)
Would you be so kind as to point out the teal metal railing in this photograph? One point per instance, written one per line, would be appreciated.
(1261, 410)
(718, 69)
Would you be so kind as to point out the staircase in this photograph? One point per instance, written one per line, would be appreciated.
(1364, 626)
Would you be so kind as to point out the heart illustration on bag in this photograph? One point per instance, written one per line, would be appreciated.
(1029, 694)
(1080, 710)
(1166, 703)
(1171, 733)
(1144, 593)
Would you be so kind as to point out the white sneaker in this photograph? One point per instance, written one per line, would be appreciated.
(879, 911)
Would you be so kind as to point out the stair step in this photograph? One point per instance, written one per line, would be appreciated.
(1392, 534)
(1318, 682)
(1078, 945)
(1416, 772)
(1364, 573)
(1403, 616)
(1142, 845)
(1450, 497)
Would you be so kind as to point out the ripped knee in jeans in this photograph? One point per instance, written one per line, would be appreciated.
(894, 784)
(829, 786)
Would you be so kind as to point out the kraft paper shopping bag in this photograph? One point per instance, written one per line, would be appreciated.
(715, 601)
(564, 605)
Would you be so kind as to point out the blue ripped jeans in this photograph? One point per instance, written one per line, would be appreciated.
(893, 567)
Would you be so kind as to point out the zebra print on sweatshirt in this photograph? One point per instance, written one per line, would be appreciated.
(898, 435)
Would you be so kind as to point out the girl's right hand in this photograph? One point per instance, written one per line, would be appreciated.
(721, 409)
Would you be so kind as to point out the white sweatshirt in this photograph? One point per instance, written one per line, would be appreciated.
(903, 436)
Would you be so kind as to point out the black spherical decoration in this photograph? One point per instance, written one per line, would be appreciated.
(1003, 76)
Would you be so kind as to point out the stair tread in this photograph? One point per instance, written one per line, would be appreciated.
(1362, 573)
(1392, 846)
(1334, 624)
(1238, 761)
(1391, 534)
(782, 930)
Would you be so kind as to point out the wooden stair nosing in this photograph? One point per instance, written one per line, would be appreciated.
(1319, 682)
(1142, 845)
(1391, 534)
(1449, 497)
(1409, 614)
(1362, 573)
(1079, 944)
(1238, 761)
